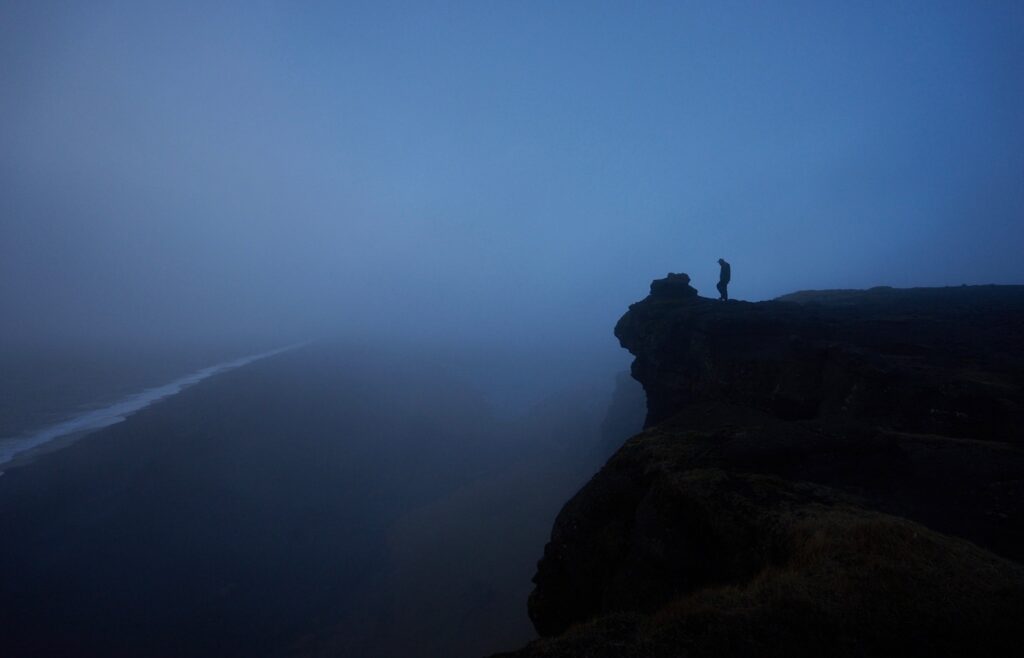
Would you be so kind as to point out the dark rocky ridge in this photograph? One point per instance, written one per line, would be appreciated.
(837, 472)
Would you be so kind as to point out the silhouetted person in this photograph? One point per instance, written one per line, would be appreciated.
(723, 280)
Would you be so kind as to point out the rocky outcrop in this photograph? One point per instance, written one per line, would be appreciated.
(938, 360)
(836, 472)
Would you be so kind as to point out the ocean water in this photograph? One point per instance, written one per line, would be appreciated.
(90, 400)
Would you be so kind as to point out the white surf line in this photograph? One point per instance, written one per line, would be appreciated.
(117, 412)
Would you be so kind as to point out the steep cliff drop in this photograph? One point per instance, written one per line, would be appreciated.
(830, 473)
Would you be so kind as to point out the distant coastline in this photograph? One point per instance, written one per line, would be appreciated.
(20, 449)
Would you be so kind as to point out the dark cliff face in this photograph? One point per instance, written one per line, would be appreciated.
(830, 473)
(943, 360)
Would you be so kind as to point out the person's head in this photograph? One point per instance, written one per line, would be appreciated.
(721, 261)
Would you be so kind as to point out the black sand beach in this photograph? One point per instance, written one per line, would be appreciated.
(267, 510)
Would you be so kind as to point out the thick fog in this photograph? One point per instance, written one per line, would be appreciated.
(491, 173)
(447, 206)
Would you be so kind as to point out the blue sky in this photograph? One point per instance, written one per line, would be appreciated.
(493, 171)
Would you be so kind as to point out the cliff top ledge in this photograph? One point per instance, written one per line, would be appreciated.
(946, 360)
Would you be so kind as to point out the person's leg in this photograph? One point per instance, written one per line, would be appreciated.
(721, 290)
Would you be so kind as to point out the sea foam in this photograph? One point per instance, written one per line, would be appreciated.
(118, 411)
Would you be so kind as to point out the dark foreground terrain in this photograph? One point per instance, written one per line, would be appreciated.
(833, 473)
(321, 502)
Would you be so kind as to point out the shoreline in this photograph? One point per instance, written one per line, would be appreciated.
(26, 449)
(30, 455)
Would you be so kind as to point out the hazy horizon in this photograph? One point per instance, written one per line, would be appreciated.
(499, 174)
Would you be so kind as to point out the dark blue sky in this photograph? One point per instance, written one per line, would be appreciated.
(493, 171)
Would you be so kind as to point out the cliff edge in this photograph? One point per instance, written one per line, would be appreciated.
(829, 473)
